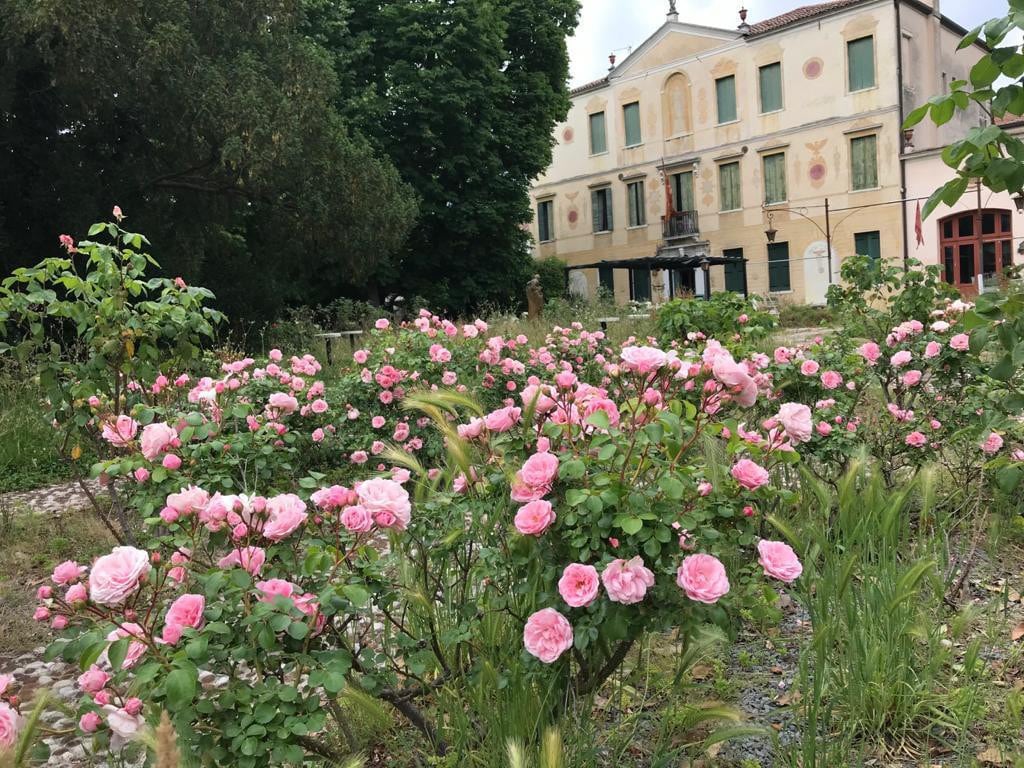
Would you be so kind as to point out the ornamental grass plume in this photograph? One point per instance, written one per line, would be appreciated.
(167, 755)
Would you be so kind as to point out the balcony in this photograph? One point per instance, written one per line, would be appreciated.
(680, 224)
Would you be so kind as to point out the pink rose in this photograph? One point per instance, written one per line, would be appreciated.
(992, 443)
(141, 474)
(387, 501)
(539, 470)
(627, 581)
(578, 585)
(870, 351)
(156, 438)
(67, 572)
(115, 577)
(186, 611)
(779, 560)
(534, 518)
(961, 342)
(547, 635)
(121, 432)
(285, 513)
(900, 359)
(911, 378)
(809, 367)
(643, 359)
(171, 462)
(10, 724)
(89, 722)
(831, 379)
(76, 594)
(749, 474)
(916, 439)
(704, 488)
(356, 519)
(93, 680)
(382, 324)
(188, 500)
(123, 726)
(702, 578)
(136, 648)
(932, 349)
(795, 418)
(249, 558)
(503, 419)
(737, 379)
(274, 588)
(282, 404)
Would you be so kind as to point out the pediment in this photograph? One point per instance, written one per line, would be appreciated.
(675, 41)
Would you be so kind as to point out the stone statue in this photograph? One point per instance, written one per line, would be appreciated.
(534, 298)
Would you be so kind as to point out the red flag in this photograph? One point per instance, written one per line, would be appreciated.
(669, 207)
(918, 226)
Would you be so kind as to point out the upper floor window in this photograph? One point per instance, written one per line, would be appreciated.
(775, 178)
(682, 191)
(729, 183)
(631, 118)
(635, 195)
(598, 137)
(601, 209)
(725, 93)
(546, 220)
(770, 86)
(860, 63)
(864, 162)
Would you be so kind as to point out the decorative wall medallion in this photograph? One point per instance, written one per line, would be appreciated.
(568, 135)
(817, 169)
(813, 68)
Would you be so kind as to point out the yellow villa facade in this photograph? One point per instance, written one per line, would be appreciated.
(702, 139)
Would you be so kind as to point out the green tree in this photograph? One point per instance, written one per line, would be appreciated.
(463, 97)
(215, 125)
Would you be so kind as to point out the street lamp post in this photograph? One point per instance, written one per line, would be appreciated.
(771, 232)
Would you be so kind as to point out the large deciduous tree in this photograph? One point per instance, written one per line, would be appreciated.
(463, 97)
(215, 125)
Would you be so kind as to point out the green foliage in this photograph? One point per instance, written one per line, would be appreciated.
(987, 152)
(721, 316)
(463, 98)
(804, 316)
(553, 280)
(217, 122)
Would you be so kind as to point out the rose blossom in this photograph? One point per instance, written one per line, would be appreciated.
(387, 501)
(779, 560)
(749, 474)
(10, 724)
(356, 519)
(932, 349)
(539, 470)
(156, 438)
(870, 351)
(831, 379)
(900, 359)
(809, 367)
(627, 581)
(93, 680)
(503, 419)
(795, 418)
(547, 635)
(249, 558)
(534, 518)
(992, 443)
(578, 585)
(702, 578)
(116, 576)
(285, 513)
(643, 359)
(89, 722)
(121, 432)
(123, 726)
(185, 612)
(961, 342)
(67, 572)
(916, 439)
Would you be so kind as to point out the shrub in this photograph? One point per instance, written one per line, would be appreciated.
(725, 316)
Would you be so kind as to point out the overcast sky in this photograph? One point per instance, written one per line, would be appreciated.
(609, 25)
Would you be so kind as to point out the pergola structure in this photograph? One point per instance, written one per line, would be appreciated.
(670, 262)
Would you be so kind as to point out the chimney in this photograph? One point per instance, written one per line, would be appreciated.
(611, 60)
(743, 27)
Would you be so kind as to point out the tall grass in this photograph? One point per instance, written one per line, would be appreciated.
(877, 675)
(28, 450)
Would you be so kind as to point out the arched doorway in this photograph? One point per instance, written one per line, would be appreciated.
(973, 243)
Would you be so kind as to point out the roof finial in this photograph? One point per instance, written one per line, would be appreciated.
(673, 14)
(744, 28)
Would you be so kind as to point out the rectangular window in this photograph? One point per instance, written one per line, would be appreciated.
(640, 284)
(949, 264)
(598, 138)
(775, 178)
(601, 207)
(868, 244)
(546, 220)
(1007, 254)
(860, 63)
(778, 267)
(770, 82)
(967, 263)
(606, 279)
(682, 191)
(735, 272)
(631, 118)
(988, 258)
(864, 162)
(635, 194)
(725, 91)
(729, 182)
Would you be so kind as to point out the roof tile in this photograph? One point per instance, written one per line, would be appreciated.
(800, 14)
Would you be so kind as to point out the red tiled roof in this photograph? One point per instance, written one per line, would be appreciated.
(589, 86)
(800, 14)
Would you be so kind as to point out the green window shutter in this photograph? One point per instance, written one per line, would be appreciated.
(778, 267)
(608, 210)
(635, 191)
(682, 191)
(597, 217)
(631, 117)
(545, 221)
(598, 138)
(860, 63)
(729, 181)
(770, 78)
(863, 162)
(869, 244)
(640, 284)
(601, 207)
(606, 278)
(725, 91)
(734, 272)
(775, 178)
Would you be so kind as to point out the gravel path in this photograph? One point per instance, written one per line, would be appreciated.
(52, 499)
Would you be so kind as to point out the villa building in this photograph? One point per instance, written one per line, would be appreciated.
(669, 170)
